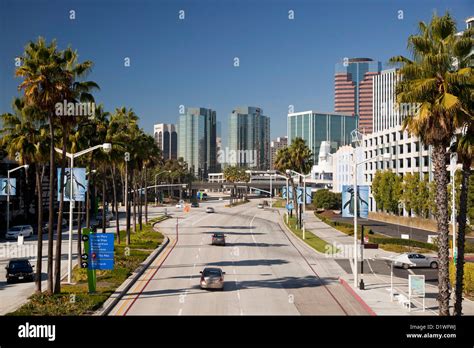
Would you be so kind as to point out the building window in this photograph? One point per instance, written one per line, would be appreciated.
(381, 140)
(394, 164)
(401, 135)
(408, 148)
(400, 163)
(417, 162)
(425, 147)
(417, 146)
(400, 149)
(370, 142)
(408, 162)
(388, 137)
(375, 141)
(425, 161)
(365, 143)
(394, 150)
(394, 136)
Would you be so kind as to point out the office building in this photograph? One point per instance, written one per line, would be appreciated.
(197, 140)
(315, 127)
(353, 89)
(276, 145)
(167, 140)
(249, 138)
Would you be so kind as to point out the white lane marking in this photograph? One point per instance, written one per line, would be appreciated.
(238, 294)
(251, 222)
(196, 221)
(180, 311)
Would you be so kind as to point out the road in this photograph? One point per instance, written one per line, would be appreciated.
(393, 230)
(14, 295)
(267, 271)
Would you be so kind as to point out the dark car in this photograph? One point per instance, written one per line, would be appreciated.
(19, 269)
(218, 238)
(195, 204)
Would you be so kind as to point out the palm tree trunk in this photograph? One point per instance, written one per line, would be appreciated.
(140, 201)
(117, 225)
(461, 237)
(39, 255)
(295, 205)
(441, 177)
(134, 197)
(127, 205)
(146, 199)
(57, 260)
(51, 206)
(103, 202)
(88, 198)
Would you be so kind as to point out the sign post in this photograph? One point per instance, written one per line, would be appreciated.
(91, 275)
(416, 288)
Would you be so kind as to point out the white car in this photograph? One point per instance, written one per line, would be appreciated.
(210, 210)
(416, 260)
(21, 230)
(260, 206)
(180, 204)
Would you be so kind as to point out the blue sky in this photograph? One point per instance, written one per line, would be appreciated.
(190, 62)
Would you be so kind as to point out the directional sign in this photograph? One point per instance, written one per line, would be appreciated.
(101, 253)
(289, 206)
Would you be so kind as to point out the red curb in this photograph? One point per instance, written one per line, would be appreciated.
(357, 297)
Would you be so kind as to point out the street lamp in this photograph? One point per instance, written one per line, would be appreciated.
(106, 147)
(8, 192)
(386, 156)
(156, 175)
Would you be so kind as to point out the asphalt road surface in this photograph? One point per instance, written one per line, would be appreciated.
(267, 272)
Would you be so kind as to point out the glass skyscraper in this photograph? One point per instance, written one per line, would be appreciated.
(249, 138)
(197, 140)
(315, 127)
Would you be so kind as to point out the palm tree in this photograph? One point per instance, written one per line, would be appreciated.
(297, 157)
(24, 133)
(44, 84)
(430, 80)
(76, 91)
(234, 175)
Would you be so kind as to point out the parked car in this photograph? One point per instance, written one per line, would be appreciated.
(19, 269)
(212, 278)
(210, 210)
(221, 199)
(218, 238)
(64, 223)
(20, 230)
(260, 206)
(180, 204)
(419, 260)
(195, 204)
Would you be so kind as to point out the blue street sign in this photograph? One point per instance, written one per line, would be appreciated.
(289, 206)
(284, 192)
(101, 253)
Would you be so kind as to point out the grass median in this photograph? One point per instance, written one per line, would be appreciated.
(311, 239)
(74, 299)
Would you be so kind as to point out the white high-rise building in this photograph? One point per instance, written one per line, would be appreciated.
(343, 167)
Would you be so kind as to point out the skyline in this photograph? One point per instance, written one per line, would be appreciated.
(289, 67)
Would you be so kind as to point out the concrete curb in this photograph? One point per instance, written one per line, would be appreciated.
(357, 297)
(111, 302)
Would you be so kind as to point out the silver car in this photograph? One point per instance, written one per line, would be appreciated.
(209, 210)
(418, 260)
(212, 278)
(21, 230)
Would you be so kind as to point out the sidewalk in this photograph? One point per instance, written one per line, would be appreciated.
(377, 286)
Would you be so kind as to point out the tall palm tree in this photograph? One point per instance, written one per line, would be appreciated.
(76, 91)
(430, 80)
(44, 84)
(297, 157)
(24, 133)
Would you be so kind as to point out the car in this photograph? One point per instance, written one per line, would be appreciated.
(195, 204)
(64, 223)
(20, 230)
(218, 238)
(212, 278)
(210, 210)
(221, 199)
(108, 215)
(419, 260)
(260, 206)
(180, 204)
(19, 269)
